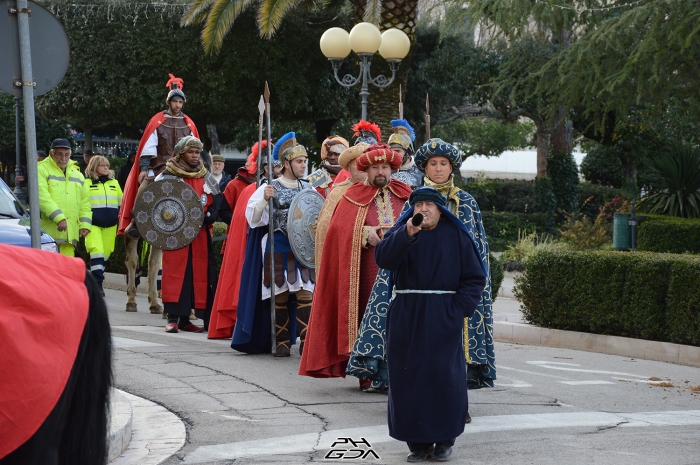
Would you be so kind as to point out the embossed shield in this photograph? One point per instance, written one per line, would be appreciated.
(301, 225)
(169, 214)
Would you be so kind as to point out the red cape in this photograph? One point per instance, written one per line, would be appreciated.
(175, 261)
(131, 187)
(342, 176)
(223, 314)
(231, 193)
(39, 337)
(328, 340)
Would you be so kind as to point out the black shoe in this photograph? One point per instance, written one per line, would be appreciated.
(132, 231)
(442, 453)
(469, 418)
(420, 455)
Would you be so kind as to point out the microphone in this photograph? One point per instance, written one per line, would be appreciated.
(417, 219)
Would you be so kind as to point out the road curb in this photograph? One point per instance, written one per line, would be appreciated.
(521, 333)
(121, 416)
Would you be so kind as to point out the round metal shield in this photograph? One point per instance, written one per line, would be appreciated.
(301, 225)
(169, 214)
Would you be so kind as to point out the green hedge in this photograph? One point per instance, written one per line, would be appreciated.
(642, 295)
(502, 228)
(669, 234)
(497, 274)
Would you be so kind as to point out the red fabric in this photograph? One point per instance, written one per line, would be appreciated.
(223, 314)
(131, 187)
(175, 261)
(342, 176)
(231, 193)
(39, 337)
(326, 349)
(376, 154)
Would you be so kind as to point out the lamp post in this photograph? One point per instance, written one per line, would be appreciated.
(365, 40)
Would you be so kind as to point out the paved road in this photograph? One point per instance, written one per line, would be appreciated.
(550, 406)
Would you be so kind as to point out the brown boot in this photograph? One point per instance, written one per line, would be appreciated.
(282, 335)
(303, 314)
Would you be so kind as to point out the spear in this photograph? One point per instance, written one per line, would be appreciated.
(400, 104)
(261, 109)
(271, 226)
(427, 118)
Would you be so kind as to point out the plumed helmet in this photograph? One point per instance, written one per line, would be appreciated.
(287, 149)
(175, 85)
(403, 135)
(367, 132)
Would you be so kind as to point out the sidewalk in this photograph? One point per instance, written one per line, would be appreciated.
(509, 326)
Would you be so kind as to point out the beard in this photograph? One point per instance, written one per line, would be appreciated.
(380, 181)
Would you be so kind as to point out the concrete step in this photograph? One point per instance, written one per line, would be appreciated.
(121, 415)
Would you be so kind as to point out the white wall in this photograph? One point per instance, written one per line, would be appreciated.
(519, 164)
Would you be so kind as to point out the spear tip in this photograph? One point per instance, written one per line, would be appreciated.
(267, 93)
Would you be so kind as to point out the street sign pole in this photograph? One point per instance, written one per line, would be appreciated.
(19, 192)
(29, 122)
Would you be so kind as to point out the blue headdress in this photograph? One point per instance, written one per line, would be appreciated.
(437, 148)
(287, 147)
(403, 135)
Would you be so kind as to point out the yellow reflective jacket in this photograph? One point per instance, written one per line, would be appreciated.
(62, 196)
(105, 199)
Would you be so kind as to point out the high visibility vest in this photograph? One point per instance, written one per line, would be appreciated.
(105, 200)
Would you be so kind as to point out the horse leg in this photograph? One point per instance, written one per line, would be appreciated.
(155, 258)
(131, 262)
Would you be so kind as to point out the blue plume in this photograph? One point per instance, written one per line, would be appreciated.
(280, 142)
(402, 122)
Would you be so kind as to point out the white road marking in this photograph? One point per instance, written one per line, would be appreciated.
(160, 331)
(648, 381)
(515, 382)
(546, 364)
(501, 367)
(581, 383)
(303, 443)
(126, 343)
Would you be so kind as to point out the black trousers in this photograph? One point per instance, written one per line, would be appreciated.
(416, 446)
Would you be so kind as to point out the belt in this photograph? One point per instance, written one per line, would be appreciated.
(421, 291)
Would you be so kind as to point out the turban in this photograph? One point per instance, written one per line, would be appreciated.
(377, 154)
(437, 148)
(350, 154)
(187, 142)
(426, 194)
(333, 144)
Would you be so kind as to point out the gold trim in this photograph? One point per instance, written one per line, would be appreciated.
(355, 264)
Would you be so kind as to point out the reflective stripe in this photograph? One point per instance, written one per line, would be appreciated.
(421, 291)
(55, 178)
(55, 214)
(86, 220)
(96, 255)
(97, 267)
(111, 205)
(101, 198)
(78, 180)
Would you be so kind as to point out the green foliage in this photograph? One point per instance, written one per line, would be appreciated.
(641, 295)
(602, 165)
(592, 197)
(503, 228)
(582, 233)
(517, 255)
(496, 270)
(545, 200)
(669, 234)
(486, 137)
(676, 183)
(562, 170)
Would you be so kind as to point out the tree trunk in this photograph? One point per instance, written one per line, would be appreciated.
(87, 129)
(562, 127)
(384, 103)
(214, 137)
(543, 136)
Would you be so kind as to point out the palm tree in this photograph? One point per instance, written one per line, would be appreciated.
(218, 17)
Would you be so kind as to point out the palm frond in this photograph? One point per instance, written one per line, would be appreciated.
(373, 12)
(271, 13)
(196, 12)
(221, 17)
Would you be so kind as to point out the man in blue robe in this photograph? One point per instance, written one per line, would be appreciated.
(438, 279)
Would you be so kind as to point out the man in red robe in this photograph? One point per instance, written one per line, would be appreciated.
(223, 314)
(362, 215)
(156, 147)
(189, 272)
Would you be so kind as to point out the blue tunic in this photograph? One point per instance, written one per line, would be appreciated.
(368, 357)
(428, 390)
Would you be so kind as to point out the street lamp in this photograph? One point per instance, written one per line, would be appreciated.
(365, 40)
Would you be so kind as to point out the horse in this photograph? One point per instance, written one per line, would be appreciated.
(76, 428)
(155, 256)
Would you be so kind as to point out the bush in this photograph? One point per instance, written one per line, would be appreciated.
(602, 166)
(502, 196)
(518, 253)
(496, 268)
(640, 294)
(592, 197)
(503, 228)
(669, 234)
(583, 234)
(563, 172)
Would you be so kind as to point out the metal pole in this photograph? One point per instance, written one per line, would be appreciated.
(261, 109)
(427, 118)
(270, 223)
(19, 192)
(29, 123)
(364, 91)
(633, 227)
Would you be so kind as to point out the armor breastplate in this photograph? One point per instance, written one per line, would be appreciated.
(172, 130)
(284, 196)
(412, 176)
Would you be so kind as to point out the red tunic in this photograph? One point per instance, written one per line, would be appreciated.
(340, 296)
(342, 176)
(132, 182)
(231, 193)
(175, 261)
(39, 339)
(223, 314)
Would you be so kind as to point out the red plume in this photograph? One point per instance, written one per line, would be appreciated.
(252, 163)
(367, 126)
(174, 80)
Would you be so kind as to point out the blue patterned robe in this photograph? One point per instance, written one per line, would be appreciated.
(368, 357)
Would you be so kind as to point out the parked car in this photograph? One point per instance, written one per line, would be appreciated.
(14, 223)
